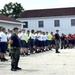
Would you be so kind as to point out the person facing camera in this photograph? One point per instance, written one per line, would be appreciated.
(15, 50)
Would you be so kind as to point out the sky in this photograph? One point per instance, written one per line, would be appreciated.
(40, 4)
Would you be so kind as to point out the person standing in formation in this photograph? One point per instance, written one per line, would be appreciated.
(3, 44)
(22, 37)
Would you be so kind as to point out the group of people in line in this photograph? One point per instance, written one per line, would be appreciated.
(27, 42)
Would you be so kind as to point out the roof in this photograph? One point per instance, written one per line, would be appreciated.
(48, 12)
(3, 17)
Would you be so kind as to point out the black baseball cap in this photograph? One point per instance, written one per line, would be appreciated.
(15, 28)
(57, 30)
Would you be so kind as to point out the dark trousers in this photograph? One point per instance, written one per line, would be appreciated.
(62, 44)
(15, 55)
(57, 45)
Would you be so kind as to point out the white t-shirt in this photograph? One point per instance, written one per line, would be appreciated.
(40, 37)
(8, 35)
(19, 35)
(22, 36)
(3, 37)
(32, 36)
(35, 36)
(44, 37)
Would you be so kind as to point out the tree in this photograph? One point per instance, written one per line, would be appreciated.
(12, 10)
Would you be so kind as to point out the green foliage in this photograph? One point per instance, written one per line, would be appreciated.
(12, 10)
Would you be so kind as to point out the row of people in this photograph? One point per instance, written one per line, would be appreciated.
(34, 41)
(20, 42)
(42, 40)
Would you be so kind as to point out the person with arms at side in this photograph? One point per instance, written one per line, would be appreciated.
(3, 44)
(14, 41)
(57, 41)
(62, 41)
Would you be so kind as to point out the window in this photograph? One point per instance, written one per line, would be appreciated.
(40, 24)
(72, 22)
(25, 25)
(56, 23)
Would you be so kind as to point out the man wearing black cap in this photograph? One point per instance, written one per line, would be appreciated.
(57, 41)
(15, 50)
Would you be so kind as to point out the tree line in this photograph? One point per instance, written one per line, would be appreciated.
(12, 10)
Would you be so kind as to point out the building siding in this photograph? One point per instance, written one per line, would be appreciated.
(9, 26)
(65, 24)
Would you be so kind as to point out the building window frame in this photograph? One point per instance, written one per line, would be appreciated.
(41, 24)
(72, 22)
(56, 23)
(25, 25)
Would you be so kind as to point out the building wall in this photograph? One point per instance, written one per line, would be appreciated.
(9, 26)
(65, 24)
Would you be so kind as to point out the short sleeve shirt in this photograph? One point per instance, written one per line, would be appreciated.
(3, 37)
(57, 36)
(16, 41)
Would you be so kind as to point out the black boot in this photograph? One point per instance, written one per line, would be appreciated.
(13, 68)
(18, 68)
(57, 51)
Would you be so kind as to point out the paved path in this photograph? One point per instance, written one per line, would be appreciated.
(46, 63)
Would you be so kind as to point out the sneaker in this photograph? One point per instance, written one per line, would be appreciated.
(3, 59)
(27, 54)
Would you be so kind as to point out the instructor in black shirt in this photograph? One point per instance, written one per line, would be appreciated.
(15, 50)
(57, 41)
